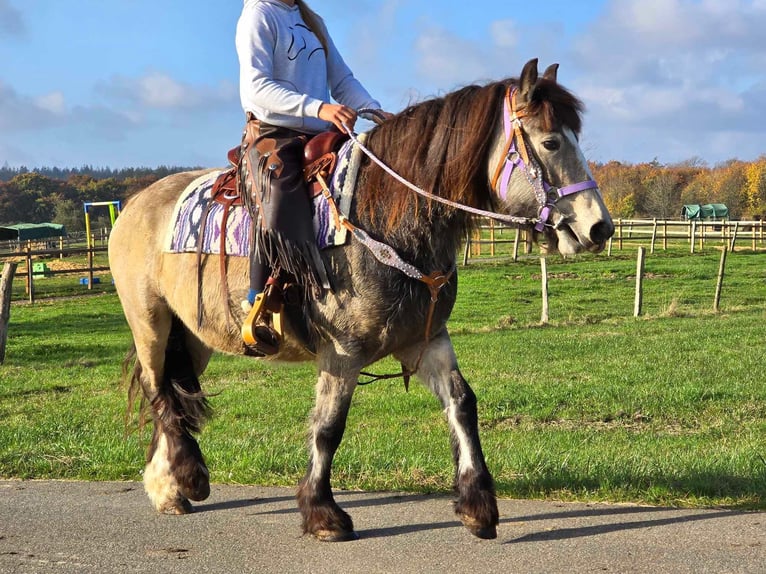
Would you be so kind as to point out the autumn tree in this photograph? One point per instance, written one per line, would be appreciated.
(661, 195)
(728, 185)
(618, 184)
(754, 203)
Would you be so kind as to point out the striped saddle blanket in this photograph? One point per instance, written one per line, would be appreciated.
(183, 234)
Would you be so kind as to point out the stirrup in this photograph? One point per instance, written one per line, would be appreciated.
(262, 328)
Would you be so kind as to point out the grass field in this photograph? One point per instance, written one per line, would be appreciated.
(669, 408)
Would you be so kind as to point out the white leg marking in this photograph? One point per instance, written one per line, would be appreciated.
(465, 459)
(159, 482)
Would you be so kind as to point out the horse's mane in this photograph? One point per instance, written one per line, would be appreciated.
(441, 145)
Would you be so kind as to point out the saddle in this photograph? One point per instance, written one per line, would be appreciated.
(320, 158)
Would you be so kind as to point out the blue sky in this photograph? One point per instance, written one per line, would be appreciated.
(134, 83)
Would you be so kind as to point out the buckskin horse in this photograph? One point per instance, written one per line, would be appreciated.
(508, 147)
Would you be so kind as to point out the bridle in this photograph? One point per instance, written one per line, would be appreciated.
(515, 155)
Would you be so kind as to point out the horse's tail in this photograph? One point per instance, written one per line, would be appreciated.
(179, 400)
(131, 375)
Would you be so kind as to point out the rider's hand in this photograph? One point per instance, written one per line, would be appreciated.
(338, 115)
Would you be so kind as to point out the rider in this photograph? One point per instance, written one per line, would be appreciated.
(289, 69)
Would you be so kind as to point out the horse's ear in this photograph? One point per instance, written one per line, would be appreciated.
(527, 81)
(551, 72)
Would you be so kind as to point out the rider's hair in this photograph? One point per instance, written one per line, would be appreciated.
(314, 22)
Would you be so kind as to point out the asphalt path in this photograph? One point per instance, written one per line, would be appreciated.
(105, 527)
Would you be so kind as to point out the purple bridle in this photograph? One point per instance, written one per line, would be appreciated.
(518, 157)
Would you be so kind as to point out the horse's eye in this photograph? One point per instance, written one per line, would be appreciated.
(551, 145)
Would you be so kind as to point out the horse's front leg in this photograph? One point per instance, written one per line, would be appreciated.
(476, 504)
(322, 517)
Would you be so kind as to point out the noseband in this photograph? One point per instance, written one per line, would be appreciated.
(515, 155)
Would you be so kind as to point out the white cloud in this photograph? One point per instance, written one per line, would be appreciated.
(19, 112)
(504, 33)
(11, 22)
(447, 59)
(53, 103)
(683, 71)
(157, 90)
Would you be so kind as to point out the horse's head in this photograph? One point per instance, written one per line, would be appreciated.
(538, 168)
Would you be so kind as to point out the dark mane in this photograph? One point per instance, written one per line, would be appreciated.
(441, 145)
(555, 106)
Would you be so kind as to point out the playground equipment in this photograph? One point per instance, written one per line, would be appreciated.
(114, 211)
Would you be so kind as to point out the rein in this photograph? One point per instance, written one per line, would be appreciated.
(515, 155)
(510, 219)
(388, 256)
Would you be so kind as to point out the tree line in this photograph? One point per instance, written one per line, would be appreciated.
(31, 197)
(630, 190)
(654, 190)
(7, 173)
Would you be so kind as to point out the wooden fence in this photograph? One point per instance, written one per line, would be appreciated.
(30, 275)
(494, 240)
(731, 234)
(15, 247)
(490, 240)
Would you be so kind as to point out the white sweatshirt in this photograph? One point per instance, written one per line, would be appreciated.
(284, 73)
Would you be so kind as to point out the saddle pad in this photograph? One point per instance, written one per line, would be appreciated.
(185, 224)
(183, 232)
(342, 187)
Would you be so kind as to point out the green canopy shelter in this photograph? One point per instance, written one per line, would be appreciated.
(31, 231)
(713, 211)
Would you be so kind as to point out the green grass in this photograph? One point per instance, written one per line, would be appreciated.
(669, 408)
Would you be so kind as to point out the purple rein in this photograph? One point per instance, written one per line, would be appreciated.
(546, 194)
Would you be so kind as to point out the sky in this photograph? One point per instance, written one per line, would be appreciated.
(144, 83)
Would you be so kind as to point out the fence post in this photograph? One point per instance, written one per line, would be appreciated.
(619, 234)
(30, 276)
(516, 245)
(664, 234)
(544, 273)
(90, 267)
(467, 248)
(754, 237)
(734, 236)
(654, 234)
(639, 282)
(6, 282)
(693, 235)
(719, 281)
(492, 237)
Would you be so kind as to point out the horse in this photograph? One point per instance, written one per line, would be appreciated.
(506, 148)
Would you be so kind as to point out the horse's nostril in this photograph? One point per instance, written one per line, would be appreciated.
(601, 231)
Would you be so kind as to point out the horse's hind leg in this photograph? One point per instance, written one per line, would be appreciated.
(476, 504)
(169, 360)
(322, 517)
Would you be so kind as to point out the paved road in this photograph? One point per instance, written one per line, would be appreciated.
(78, 527)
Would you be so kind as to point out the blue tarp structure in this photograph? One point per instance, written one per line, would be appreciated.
(713, 211)
(27, 231)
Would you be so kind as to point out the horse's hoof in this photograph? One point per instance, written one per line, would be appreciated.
(200, 492)
(485, 532)
(197, 486)
(335, 535)
(177, 507)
